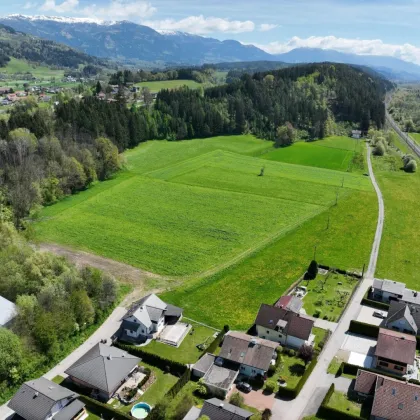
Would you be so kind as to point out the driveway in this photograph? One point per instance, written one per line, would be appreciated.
(366, 316)
(358, 344)
(255, 399)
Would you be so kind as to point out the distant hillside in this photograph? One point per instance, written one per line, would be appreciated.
(129, 41)
(35, 50)
(390, 67)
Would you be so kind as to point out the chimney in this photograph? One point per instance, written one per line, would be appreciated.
(221, 405)
(109, 357)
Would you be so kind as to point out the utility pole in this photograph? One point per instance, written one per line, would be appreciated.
(342, 182)
(315, 252)
(336, 197)
(328, 223)
(363, 271)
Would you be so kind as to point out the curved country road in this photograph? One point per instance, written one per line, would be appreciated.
(311, 395)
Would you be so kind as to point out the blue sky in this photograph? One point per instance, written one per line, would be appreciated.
(382, 27)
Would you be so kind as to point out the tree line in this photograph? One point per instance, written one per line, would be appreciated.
(56, 303)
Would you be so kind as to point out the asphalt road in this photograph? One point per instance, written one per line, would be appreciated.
(312, 393)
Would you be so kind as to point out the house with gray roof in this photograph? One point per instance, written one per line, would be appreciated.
(148, 316)
(387, 290)
(41, 399)
(216, 409)
(7, 312)
(284, 326)
(403, 317)
(103, 369)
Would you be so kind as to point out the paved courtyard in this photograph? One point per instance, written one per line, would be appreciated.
(358, 344)
(366, 315)
(255, 399)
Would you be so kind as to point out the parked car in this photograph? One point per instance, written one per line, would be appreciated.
(244, 387)
(379, 314)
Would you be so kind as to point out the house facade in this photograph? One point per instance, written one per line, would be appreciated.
(403, 317)
(395, 352)
(149, 316)
(41, 399)
(284, 326)
(387, 290)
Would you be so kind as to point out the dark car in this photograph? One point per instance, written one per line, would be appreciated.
(244, 387)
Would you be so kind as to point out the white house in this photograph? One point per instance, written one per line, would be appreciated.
(387, 290)
(7, 312)
(284, 326)
(148, 316)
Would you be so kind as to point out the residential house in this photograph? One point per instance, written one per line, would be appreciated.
(284, 326)
(41, 399)
(403, 317)
(148, 316)
(4, 90)
(392, 399)
(395, 352)
(11, 97)
(7, 312)
(101, 96)
(387, 290)
(356, 134)
(290, 303)
(103, 369)
(252, 355)
(216, 409)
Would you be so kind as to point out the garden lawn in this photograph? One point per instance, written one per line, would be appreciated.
(415, 137)
(340, 401)
(399, 258)
(332, 153)
(187, 352)
(168, 84)
(237, 292)
(291, 370)
(323, 297)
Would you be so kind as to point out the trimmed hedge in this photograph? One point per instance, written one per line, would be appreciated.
(179, 384)
(362, 328)
(294, 392)
(146, 378)
(100, 409)
(214, 344)
(374, 303)
(153, 359)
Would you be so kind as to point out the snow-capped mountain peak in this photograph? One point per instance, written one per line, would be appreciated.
(59, 19)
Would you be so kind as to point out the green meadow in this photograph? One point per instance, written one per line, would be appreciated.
(200, 210)
(416, 137)
(22, 66)
(168, 84)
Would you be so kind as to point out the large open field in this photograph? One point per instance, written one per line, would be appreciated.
(22, 66)
(399, 257)
(168, 84)
(199, 210)
(184, 209)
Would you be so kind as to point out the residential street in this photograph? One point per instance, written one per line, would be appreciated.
(317, 384)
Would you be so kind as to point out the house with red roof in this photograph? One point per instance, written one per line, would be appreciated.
(395, 352)
(392, 399)
(284, 326)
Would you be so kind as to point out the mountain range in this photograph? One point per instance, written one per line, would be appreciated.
(129, 42)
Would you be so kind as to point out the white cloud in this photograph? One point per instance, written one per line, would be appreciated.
(264, 27)
(64, 7)
(406, 52)
(120, 10)
(29, 5)
(201, 25)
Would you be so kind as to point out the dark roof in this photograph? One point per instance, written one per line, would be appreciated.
(217, 409)
(396, 400)
(35, 399)
(410, 312)
(70, 411)
(297, 325)
(292, 303)
(203, 365)
(172, 310)
(396, 346)
(103, 367)
(365, 382)
(252, 351)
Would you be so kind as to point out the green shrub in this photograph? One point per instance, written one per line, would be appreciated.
(147, 372)
(318, 313)
(237, 399)
(312, 271)
(292, 353)
(379, 149)
(270, 386)
(266, 414)
(100, 409)
(411, 166)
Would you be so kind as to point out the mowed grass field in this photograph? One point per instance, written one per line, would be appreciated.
(416, 137)
(168, 84)
(338, 156)
(399, 257)
(22, 66)
(187, 208)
